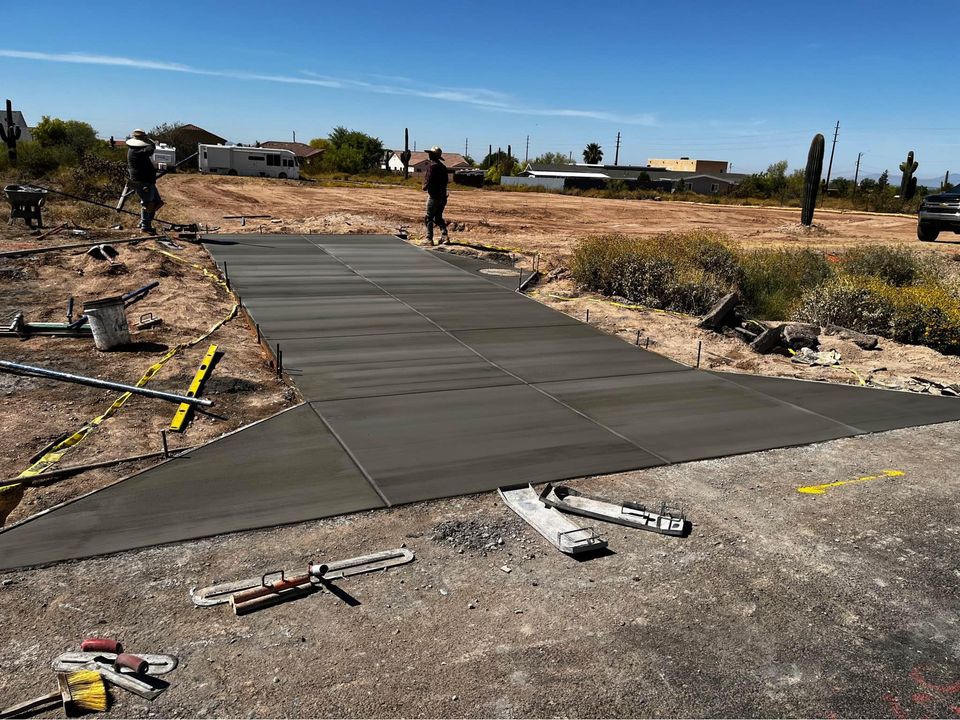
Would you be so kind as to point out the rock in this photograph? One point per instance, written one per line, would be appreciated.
(714, 319)
(801, 335)
(507, 569)
(471, 606)
(768, 340)
(861, 340)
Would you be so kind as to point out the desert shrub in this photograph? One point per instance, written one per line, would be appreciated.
(35, 161)
(924, 314)
(773, 280)
(894, 266)
(685, 272)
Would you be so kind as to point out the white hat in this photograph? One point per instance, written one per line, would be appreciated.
(138, 139)
(435, 150)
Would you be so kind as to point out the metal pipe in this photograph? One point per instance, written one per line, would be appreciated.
(18, 369)
(76, 469)
(131, 297)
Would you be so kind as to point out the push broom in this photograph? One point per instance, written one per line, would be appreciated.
(81, 690)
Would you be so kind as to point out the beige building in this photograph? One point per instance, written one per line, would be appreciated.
(686, 164)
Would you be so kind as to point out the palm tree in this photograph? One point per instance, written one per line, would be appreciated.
(592, 154)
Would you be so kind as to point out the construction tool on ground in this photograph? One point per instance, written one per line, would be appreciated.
(279, 591)
(123, 670)
(81, 691)
(182, 415)
(222, 593)
(22, 329)
(666, 521)
(128, 191)
(156, 664)
(565, 535)
(30, 370)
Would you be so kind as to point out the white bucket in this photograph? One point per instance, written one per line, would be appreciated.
(108, 322)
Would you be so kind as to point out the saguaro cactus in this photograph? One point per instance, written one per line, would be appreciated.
(10, 133)
(908, 183)
(811, 179)
(405, 155)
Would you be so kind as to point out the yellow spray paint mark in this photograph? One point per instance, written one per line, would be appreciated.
(821, 489)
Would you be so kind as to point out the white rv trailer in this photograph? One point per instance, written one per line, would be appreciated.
(165, 157)
(249, 161)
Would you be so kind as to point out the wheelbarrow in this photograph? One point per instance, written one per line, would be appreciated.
(25, 202)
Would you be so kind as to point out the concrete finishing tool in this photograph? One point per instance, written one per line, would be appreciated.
(123, 670)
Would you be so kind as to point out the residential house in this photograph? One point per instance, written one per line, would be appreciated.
(25, 134)
(585, 177)
(685, 164)
(420, 160)
(307, 156)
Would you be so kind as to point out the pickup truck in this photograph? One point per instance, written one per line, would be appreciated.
(939, 213)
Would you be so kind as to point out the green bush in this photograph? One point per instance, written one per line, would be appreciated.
(895, 266)
(925, 314)
(773, 280)
(685, 272)
(35, 161)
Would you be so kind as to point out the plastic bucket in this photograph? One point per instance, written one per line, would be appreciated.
(108, 322)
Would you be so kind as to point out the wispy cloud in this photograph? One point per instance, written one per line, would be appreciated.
(481, 98)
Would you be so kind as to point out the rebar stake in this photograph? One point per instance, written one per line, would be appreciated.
(279, 361)
(520, 281)
(638, 338)
(226, 277)
(588, 316)
(699, 347)
(258, 333)
(163, 439)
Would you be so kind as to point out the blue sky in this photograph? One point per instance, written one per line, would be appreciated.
(748, 82)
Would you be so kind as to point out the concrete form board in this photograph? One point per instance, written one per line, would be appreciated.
(285, 469)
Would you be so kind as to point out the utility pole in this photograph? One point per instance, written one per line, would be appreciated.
(616, 157)
(830, 166)
(466, 147)
(526, 153)
(856, 174)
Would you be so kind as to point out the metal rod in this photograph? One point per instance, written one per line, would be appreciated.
(647, 346)
(258, 333)
(74, 469)
(638, 338)
(17, 368)
(226, 277)
(279, 361)
(520, 280)
(588, 316)
(699, 348)
(72, 246)
(163, 439)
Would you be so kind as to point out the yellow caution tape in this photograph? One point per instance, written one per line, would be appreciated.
(821, 489)
(57, 452)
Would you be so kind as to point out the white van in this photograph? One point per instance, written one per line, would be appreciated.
(249, 161)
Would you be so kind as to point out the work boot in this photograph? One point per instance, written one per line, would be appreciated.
(444, 238)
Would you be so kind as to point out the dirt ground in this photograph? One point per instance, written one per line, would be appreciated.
(779, 603)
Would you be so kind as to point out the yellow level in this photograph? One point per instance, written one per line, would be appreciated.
(182, 415)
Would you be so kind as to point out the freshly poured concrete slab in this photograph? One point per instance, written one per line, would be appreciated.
(431, 445)
(869, 409)
(564, 352)
(503, 275)
(693, 415)
(369, 365)
(484, 310)
(286, 318)
(285, 469)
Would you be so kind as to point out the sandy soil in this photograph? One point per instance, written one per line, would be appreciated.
(535, 222)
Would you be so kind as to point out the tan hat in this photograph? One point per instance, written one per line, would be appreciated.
(435, 150)
(138, 138)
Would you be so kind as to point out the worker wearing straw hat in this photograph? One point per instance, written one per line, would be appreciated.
(435, 185)
(143, 177)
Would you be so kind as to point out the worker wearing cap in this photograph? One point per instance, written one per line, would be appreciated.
(435, 185)
(143, 177)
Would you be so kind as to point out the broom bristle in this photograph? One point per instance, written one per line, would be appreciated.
(88, 690)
